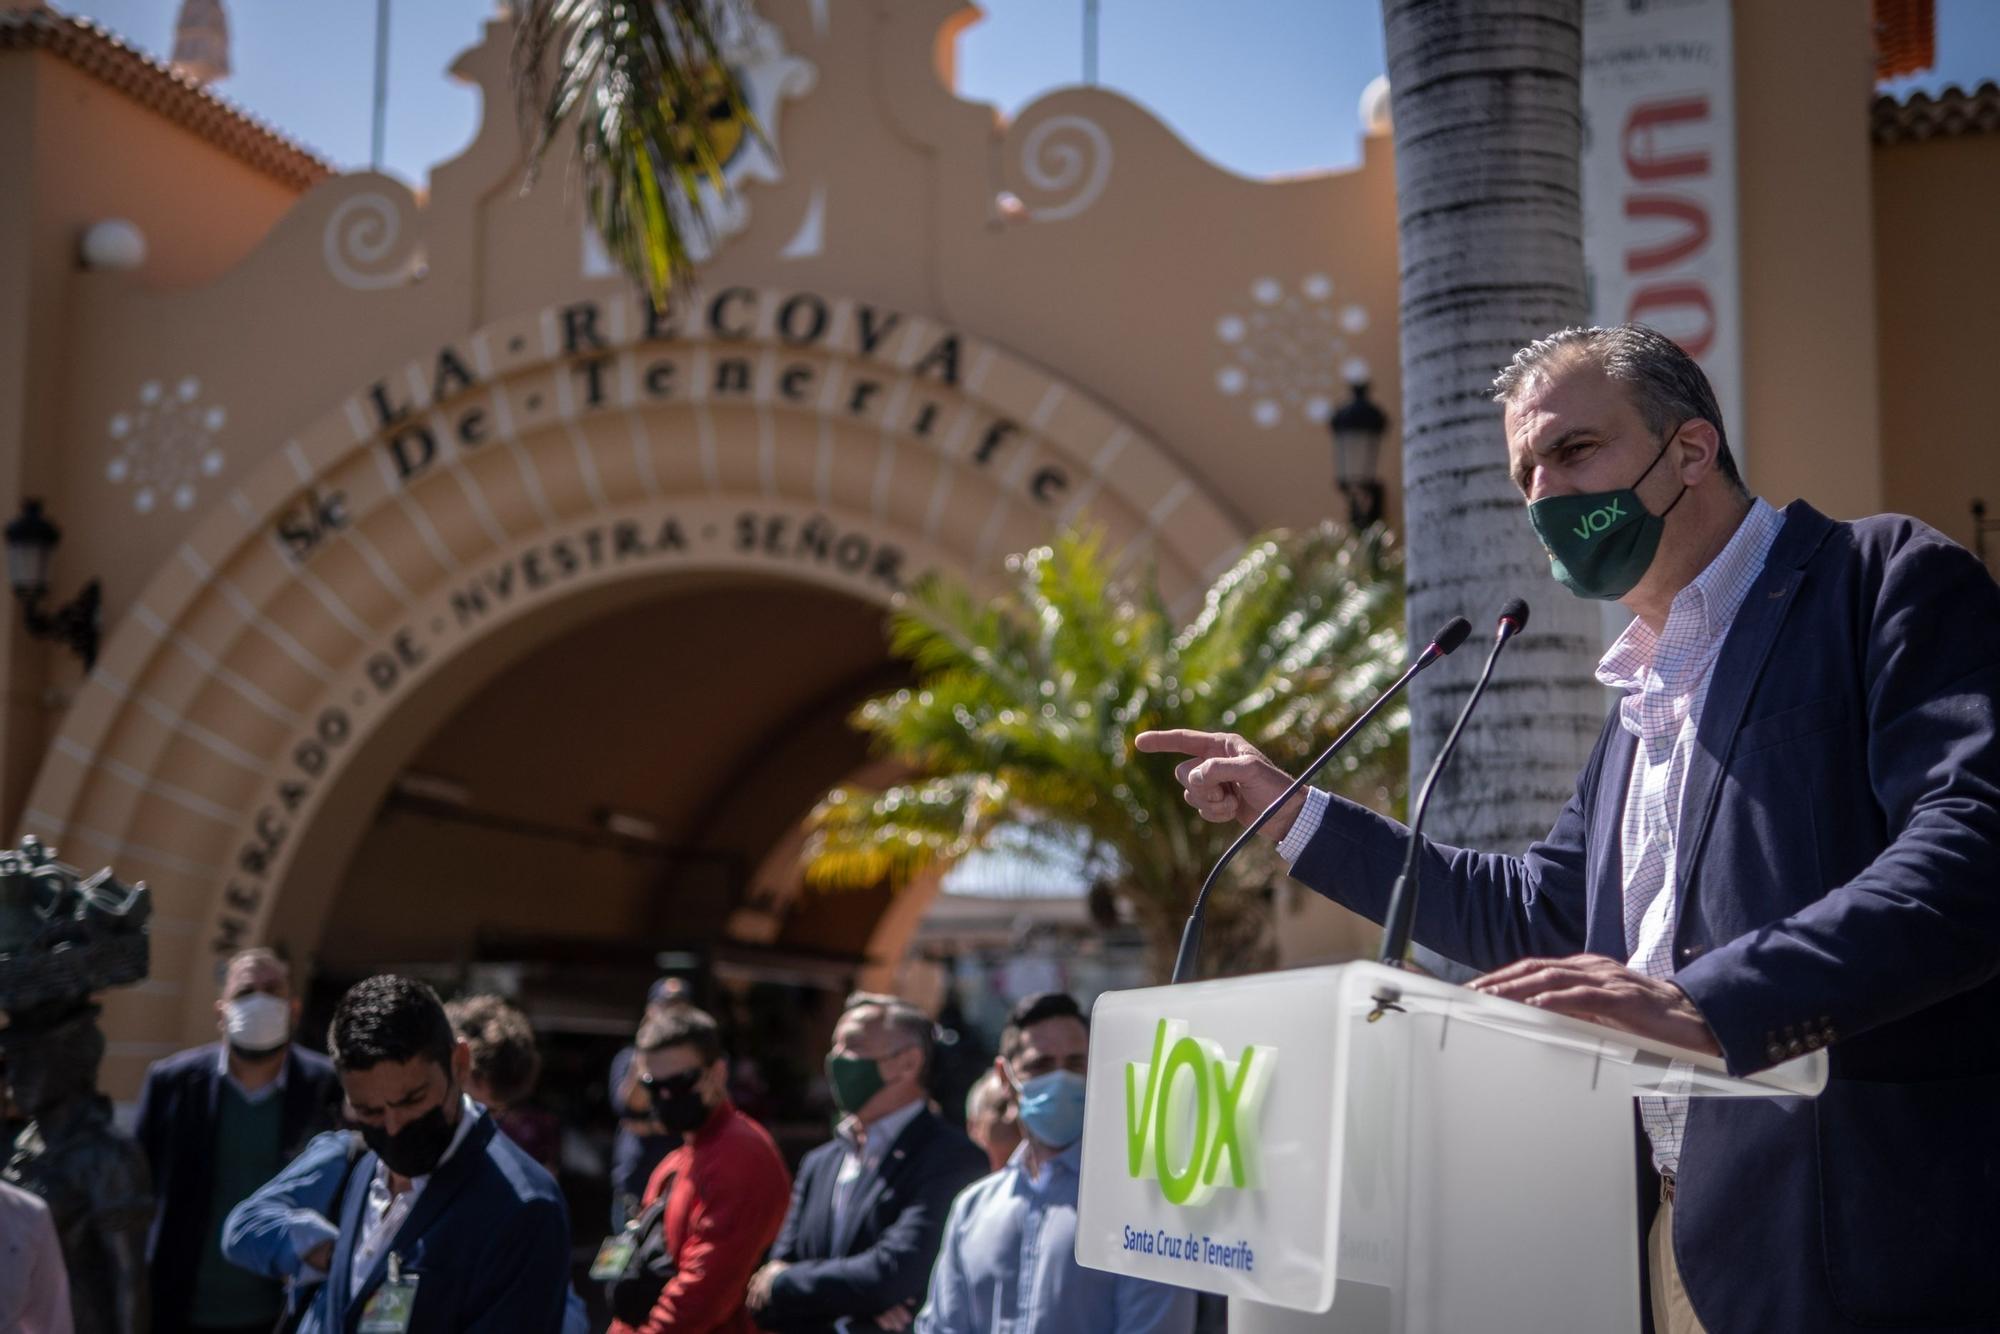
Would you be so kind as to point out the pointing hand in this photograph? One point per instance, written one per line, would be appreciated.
(1225, 777)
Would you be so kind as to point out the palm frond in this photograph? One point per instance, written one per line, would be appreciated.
(860, 839)
(654, 104)
(1026, 705)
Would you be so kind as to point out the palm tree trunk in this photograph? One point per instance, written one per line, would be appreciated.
(1487, 116)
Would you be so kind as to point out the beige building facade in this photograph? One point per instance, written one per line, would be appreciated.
(459, 608)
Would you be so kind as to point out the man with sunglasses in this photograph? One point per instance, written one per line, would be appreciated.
(713, 1205)
(1009, 1256)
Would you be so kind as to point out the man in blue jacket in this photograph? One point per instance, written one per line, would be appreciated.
(868, 1207)
(445, 1224)
(215, 1123)
(1786, 839)
(285, 1229)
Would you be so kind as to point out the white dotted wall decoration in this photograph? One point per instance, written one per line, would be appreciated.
(1286, 352)
(166, 445)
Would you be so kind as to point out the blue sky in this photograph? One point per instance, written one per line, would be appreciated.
(1264, 87)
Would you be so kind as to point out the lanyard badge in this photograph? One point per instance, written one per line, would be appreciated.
(615, 1254)
(390, 1306)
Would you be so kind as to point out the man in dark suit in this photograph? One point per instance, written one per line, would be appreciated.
(868, 1207)
(446, 1225)
(217, 1122)
(1786, 839)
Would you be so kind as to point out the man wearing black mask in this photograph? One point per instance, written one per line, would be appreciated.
(713, 1205)
(445, 1224)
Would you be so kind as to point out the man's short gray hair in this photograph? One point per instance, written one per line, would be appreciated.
(1665, 384)
(900, 1017)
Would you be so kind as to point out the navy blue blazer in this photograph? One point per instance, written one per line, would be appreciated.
(176, 1128)
(1839, 874)
(895, 1223)
(488, 1240)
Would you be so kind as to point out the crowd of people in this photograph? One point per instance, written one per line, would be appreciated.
(403, 1183)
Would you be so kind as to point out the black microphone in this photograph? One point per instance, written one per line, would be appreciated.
(1448, 638)
(1403, 900)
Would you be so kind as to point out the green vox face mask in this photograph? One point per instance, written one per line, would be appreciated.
(1601, 543)
(853, 1080)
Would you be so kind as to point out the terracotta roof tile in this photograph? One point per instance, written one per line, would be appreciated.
(1921, 116)
(101, 54)
(1905, 36)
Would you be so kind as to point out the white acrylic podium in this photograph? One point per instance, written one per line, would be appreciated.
(1457, 1163)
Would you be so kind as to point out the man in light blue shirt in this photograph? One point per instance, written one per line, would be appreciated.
(1008, 1265)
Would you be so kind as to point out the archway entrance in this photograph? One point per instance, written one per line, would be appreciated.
(614, 789)
(252, 712)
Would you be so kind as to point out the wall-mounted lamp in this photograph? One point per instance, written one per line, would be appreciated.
(113, 244)
(31, 541)
(1358, 427)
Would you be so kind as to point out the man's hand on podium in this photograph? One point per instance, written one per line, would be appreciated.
(1227, 778)
(1604, 991)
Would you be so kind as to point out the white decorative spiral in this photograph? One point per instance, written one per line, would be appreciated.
(1077, 164)
(363, 231)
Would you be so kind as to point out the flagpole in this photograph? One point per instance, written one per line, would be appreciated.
(381, 84)
(1090, 42)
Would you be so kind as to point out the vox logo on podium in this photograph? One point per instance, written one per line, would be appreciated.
(1191, 1114)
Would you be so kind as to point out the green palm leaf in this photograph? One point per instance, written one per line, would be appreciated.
(1026, 703)
(655, 106)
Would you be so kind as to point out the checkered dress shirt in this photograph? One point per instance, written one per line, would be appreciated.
(1665, 678)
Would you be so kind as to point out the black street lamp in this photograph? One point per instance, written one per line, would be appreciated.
(1358, 427)
(31, 540)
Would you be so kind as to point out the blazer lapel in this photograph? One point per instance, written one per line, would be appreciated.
(194, 1130)
(438, 1192)
(207, 1108)
(203, 1106)
(870, 1187)
(819, 1207)
(340, 1297)
(1745, 651)
(1604, 927)
(298, 1108)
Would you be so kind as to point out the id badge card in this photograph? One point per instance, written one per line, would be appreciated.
(613, 1256)
(390, 1306)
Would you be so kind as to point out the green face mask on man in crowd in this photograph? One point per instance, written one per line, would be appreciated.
(1601, 543)
(853, 1080)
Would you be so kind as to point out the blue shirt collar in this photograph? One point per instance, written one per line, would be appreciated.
(1070, 1160)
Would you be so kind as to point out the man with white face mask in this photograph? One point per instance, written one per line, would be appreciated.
(217, 1122)
(1009, 1255)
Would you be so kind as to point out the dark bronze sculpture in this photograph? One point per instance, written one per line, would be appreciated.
(61, 939)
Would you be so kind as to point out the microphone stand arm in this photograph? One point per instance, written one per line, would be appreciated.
(1190, 951)
(1403, 901)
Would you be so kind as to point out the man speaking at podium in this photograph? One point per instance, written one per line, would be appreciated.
(1785, 839)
